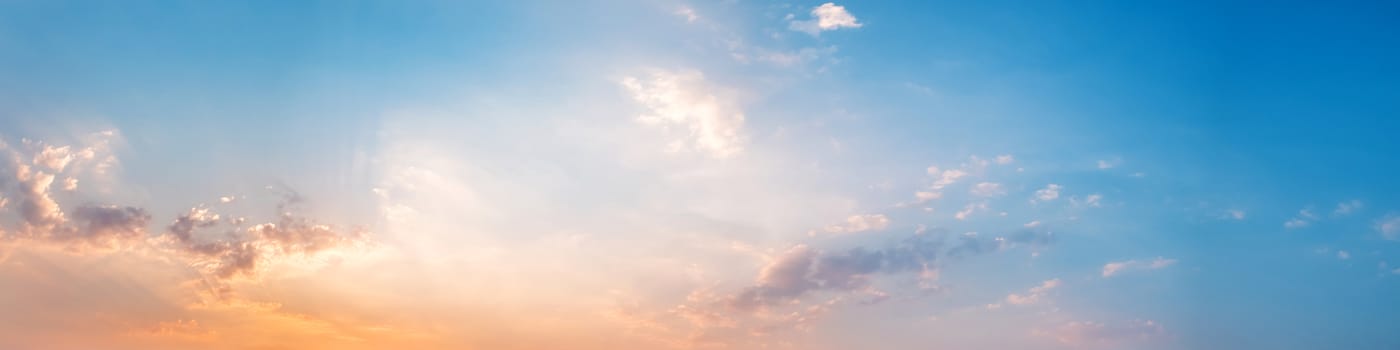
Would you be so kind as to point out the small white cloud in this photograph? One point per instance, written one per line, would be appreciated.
(1389, 227)
(860, 223)
(1304, 218)
(1114, 268)
(1348, 207)
(826, 17)
(1034, 295)
(1104, 164)
(688, 13)
(969, 209)
(988, 189)
(1342, 254)
(1032, 224)
(1093, 200)
(1049, 193)
(1233, 214)
(925, 196)
(1005, 159)
(948, 177)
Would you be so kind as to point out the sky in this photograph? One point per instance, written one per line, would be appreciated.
(737, 174)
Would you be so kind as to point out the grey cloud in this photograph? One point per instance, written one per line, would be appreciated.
(803, 269)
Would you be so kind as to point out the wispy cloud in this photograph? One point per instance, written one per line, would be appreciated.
(683, 99)
(1116, 268)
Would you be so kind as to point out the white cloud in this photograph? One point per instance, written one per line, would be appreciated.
(828, 16)
(683, 99)
(860, 223)
(1034, 295)
(969, 209)
(1305, 217)
(1114, 268)
(988, 189)
(1049, 193)
(1093, 200)
(1342, 254)
(1104, 164)
(688, 13)
(1389, 227)
(1032, 224)
(1005, 159)
(1348, 207)
(1234, 214)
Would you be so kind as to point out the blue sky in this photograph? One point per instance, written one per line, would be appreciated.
(727, 174)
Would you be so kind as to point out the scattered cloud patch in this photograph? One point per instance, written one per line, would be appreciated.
(1116, 268)
(1303, 219)
(860, 223)
(1034, 295)
(1347, 207)
(988, 189)
(826, 17)
(1005, 159)
(1389, 227)
(684, 100)
(1049, 193)
(688, 14)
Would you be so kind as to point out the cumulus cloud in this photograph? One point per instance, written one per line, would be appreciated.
(95, 228)
(1115, 268)
(1077, 333)
(683, 99)
(1389, 227)
(826, 17)
(238, 251)
(1049, 193)
(1005, 159)
(987, 189)
(860, 223)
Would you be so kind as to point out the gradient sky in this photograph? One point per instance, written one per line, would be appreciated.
(737, 174)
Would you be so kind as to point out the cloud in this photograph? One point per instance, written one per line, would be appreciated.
(1233, 214)
(1034, 295)
(1347, 207)
(826, 17)
(710, 125)
(1304, 218)
(1114, 268)
(802, 269)
(1389, 227)
(1077, 333)
(1342, 254)
(1049, 193)
(240, 250)
(968, 210)
(1107, 164)
(860, 223)
(1093, 200)
(987, 189)
(688, 13)
(1005, 159)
